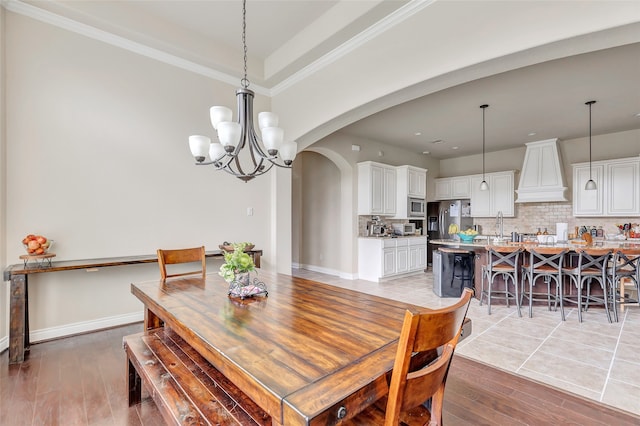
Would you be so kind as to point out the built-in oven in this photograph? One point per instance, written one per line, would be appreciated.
(417, 207)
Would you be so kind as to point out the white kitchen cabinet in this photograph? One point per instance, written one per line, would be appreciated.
(452, 188)
(376, 189)
(498, 198)
(417, 254)
(412, 183)
(617, 190)
(402, 255)
(588, 203)
(380, 258)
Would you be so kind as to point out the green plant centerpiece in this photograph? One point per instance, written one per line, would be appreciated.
(236, 270)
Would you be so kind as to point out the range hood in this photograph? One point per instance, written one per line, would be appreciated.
(542, 175)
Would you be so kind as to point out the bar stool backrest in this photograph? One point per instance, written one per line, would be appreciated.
(546, 258)
(503, 258)
(627, 260)
(593, 261)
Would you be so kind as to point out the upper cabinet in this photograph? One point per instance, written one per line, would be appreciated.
(376, 189)
(452, 188)
(498, 198)
(617, 192)
(412, 183)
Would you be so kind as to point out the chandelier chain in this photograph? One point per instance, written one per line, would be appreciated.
(244, 81)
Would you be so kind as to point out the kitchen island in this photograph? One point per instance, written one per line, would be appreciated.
(479, 247)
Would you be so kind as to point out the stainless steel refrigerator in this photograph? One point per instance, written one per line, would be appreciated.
(440, 216)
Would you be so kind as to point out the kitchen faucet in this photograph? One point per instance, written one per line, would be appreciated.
(500, 224)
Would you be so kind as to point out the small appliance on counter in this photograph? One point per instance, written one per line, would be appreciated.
(376, 228)
(404, 228)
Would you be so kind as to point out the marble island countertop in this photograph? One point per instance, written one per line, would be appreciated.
(573, 244)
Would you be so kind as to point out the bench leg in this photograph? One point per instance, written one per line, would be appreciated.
(134, 384)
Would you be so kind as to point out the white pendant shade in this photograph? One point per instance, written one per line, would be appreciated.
(267, 119)
(288, 151)
(272, 138)
(199, 146)
(216, 151)
(229, 133)
(591, 185)
(219, 114)
(484, 185)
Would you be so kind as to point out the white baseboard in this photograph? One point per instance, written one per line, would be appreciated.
(83, 327)
(4, 344)
(327, 271)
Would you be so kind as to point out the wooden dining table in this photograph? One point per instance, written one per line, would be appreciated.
(308, 353)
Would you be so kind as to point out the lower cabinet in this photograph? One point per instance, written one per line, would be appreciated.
(387, 257)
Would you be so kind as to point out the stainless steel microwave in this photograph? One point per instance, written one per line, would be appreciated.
(416, 207)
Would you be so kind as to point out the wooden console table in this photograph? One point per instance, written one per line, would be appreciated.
(18, 274)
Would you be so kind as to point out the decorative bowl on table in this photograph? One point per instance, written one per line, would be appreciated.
(467, 238)
(36, 245)
(228, 247)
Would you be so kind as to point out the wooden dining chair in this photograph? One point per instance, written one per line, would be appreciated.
(187, 255)
(412, 385)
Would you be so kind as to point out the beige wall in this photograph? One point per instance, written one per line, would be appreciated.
(97, 159)
(3, 224)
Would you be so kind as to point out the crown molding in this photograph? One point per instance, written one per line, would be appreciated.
(395, 18)
(45, 16)
(390, 21)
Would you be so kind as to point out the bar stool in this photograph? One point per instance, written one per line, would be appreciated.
(545, 263)
(462, 266)
(593, 265)
(503, 262)
(625, 266)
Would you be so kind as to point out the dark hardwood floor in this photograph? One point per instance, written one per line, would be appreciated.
(81, 381)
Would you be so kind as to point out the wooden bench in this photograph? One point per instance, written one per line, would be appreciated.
(185, 387)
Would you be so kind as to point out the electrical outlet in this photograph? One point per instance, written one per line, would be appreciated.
(249, 211)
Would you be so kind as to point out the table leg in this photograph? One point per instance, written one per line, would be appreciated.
(151, 320)
(18, 318)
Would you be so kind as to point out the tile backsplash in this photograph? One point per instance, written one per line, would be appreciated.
(528, 218)
(531, 216)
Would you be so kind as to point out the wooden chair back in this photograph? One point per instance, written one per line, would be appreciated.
(412, 385)
(187, 255)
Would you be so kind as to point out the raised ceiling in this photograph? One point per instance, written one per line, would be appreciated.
(284, 36)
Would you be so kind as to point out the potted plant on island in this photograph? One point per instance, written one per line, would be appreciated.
(236, 271)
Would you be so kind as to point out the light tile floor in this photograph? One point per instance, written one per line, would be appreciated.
(595, 359)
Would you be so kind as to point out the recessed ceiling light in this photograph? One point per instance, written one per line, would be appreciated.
(454, 147)
(437, 141)
(417, 133)
(426, 152)
(532, 134)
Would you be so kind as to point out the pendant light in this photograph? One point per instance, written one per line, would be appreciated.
(234, 136)
(483, 185)
(591, 185)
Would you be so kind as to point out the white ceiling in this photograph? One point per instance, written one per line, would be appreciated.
(547, 99)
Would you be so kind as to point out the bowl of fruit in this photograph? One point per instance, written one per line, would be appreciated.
(468, 235)
(36, 244)
(230, 247)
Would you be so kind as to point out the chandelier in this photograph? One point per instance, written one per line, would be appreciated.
(234, 136)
